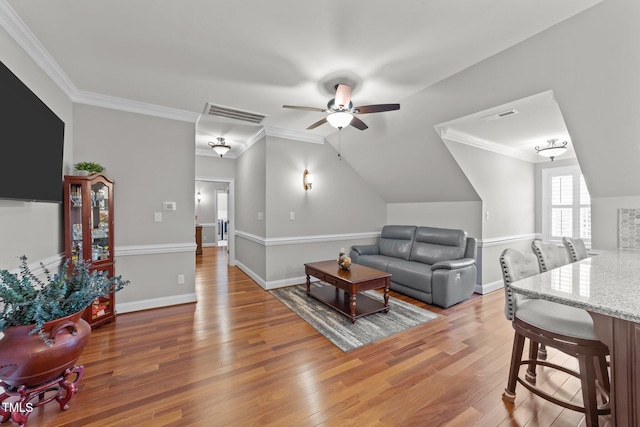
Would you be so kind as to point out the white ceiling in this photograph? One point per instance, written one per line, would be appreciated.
(259, 55)
(529, 123)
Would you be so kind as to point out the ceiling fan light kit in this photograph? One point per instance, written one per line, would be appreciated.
(220, 147)
(552, 150)
(340, 110)
(339, 119)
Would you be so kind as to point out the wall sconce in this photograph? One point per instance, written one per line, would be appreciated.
(307, 180)
(198, 197)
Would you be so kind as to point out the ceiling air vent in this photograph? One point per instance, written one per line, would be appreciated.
(499, 115)
(232, 113)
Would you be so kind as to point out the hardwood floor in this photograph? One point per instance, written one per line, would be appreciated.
(240, 358)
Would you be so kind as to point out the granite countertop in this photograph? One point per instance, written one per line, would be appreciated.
(607, 284)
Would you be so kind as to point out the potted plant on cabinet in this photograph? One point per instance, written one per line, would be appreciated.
(44, 333)
(88, 168)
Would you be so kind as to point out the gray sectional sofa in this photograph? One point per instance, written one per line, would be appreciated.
(434, 265)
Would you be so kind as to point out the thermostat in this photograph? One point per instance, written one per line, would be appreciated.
(169, 206)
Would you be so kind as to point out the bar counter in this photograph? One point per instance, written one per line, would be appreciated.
(608, 287)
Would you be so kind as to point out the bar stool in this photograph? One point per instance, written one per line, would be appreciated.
(575, 248)
(567, 329)
(550, 256)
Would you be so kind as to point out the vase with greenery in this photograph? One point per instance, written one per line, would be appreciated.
(89, 167)
(41, 318)
(29, 300)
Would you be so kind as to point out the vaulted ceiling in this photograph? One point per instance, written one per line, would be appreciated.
(257, 56)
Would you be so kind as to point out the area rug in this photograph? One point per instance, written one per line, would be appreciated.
(337, 327)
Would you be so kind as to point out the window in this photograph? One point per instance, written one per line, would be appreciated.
(566, 204)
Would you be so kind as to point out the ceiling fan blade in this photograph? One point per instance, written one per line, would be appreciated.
(358, 124)
(378, 108)
(296, 107)
(318, 123)
(343, 96)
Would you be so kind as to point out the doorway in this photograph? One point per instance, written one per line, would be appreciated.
(215, 213)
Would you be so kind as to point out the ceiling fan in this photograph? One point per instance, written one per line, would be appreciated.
(340, 110)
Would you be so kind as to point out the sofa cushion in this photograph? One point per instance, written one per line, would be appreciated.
(379, 262)
(396, 240)
(438, 244)
(411, 274)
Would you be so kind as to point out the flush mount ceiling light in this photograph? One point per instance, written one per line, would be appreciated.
(552, 149)
(220, 147)
(339, 119)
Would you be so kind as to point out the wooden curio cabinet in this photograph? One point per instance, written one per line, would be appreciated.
(88, 228)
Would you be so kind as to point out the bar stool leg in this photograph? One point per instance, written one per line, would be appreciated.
(589, 391)
(509, 394)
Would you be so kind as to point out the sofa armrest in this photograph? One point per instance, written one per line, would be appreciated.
(366, 249)
(453, 264)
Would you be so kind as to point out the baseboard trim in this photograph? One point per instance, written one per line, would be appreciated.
(273, 284)
(128, 307)
(488, 287)
(261, 282)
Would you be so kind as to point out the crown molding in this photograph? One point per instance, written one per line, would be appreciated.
(17, 29)
(483, 144)
(114, 103)
(15, 26)
(260, 133)
(294, 134)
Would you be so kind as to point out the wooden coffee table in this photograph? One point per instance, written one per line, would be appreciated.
(358, 279)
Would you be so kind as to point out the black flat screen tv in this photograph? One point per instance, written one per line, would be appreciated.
(31, 144)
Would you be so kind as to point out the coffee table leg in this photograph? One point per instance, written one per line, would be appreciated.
(386, 299)
(308, 285)
(352, 305)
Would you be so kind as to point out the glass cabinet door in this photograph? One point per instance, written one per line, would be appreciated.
(75, 220)
(99, 222)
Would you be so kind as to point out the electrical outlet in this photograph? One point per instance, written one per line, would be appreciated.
(342, 250)
(180, 279)
(157, 216)
(292, 216)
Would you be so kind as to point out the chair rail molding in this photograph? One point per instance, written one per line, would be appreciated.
(297, 240)
(505, 240)
(166, 248)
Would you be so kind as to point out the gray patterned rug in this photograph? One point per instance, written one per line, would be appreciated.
(338, 328)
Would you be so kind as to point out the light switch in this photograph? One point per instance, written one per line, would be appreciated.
(157, 216)
(260, 216)
(292, 216)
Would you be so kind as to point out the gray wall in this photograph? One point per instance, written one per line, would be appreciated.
(251, 171)
(463, 215)
(152, 161)
(339, 202)
(339, 211)
(34, 229)
(507, 188)
(215, 167)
